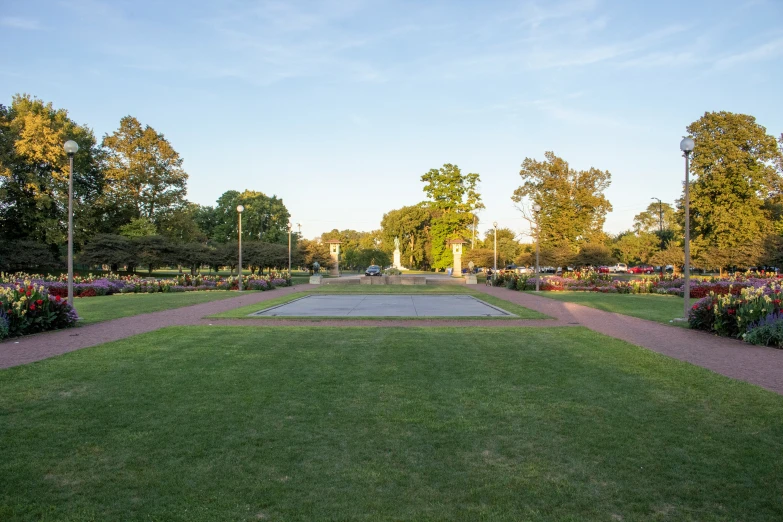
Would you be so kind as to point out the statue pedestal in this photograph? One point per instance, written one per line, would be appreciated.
(315, 279)
(470, 279)
(397, 263)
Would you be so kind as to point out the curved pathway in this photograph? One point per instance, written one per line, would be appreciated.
(754, 364)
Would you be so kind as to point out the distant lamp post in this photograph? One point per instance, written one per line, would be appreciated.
(240, 209)
(495, 226)
(290, 226)
(686, 146)
(537, 209)
(71, 148)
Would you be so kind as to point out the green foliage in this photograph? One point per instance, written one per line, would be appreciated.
(24, 255)
(262, 255)
(593, 254)
(263, 219)
(143, 171)
(138, 227)
(636, 247)
(34, 171)
(109, 249)
(410, 224)
(508, 247)
(733, 166)
(154, 252)
(769, 333)
(481, 257)
(314, 251)
(454, 198)
(573, 205)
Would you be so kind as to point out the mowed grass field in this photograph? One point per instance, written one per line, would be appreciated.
(106, 307)
(302, 423)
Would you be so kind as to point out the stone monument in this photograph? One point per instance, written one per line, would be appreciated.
(334, 252)
(456, 249)
(470, 277)
(315, 279)
(397, 264)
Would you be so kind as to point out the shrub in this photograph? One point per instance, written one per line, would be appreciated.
(767, 332)
(4, 325)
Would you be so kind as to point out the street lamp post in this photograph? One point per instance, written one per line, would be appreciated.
(71, 148)
(495, 226)
(290, 226)
(537, 209)
(240, 209)
(686, 146)
(660, 214)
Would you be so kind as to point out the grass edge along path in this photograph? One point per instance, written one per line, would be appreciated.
(210, 423)
(105, 308)
(519, 311)
(658, 308)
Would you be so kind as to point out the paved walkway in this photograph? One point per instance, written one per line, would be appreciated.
(755, 364)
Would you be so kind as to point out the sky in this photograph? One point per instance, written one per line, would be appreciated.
(339, 107)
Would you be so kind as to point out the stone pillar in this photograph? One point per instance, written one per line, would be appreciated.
(456, 249)
(334, 252)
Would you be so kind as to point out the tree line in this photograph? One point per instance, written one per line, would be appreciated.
(130, 185)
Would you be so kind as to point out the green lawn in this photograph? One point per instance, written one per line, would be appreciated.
(519, 311)
(653, 307)
(104, 308)
(220, 423)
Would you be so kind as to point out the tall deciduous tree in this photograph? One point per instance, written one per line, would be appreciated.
(34, 172)
(410, 224)
(508, 246)
(454, 199)
(144, 172)
(264, 218)
(573, 205)
(733, 165)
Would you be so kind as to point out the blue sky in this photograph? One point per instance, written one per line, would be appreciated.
(339, 107)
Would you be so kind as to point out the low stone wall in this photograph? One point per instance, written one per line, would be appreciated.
(393, 280)
(338, 281)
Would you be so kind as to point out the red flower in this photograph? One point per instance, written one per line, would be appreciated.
(57, 298)
(695, 307)
(776, 302)
(29, 293)
(731, 311)
(39, 302)
(32, 307)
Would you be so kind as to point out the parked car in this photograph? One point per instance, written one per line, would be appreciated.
(641, 269)
(373, 270)
(619, 267)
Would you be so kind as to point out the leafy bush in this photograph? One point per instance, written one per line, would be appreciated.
(4, 325)
(767, 332)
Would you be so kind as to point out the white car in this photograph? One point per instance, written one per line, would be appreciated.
(619, 267)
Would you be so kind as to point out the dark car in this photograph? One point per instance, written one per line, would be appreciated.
(373, 270)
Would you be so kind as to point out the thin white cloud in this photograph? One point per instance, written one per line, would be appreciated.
(767, 51)
(17, 22)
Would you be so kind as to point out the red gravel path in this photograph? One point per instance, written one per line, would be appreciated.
(754, 364)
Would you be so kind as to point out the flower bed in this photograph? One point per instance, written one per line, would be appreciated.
(29, 308)
(753, 314)
(90, 285)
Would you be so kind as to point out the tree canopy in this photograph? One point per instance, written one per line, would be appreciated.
(573, 205)
(734, 169)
